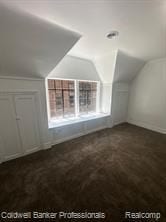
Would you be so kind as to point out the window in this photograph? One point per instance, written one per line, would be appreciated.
(61, 98)
(71, 98)
(87, 97)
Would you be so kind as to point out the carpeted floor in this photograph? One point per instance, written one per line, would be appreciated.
(111, 171)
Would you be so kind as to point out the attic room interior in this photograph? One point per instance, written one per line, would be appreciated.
(83, 110)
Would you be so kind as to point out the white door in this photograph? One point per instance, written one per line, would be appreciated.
(10, 146)
(27, 116)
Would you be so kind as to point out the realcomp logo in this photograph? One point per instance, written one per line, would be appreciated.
(143, 215)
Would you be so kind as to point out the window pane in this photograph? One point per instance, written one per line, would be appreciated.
(69, 104)
(71, 85)
(52, 103)
(87, 97)
(58, 84)
(61, 98)
(65, 84)
(51, 84)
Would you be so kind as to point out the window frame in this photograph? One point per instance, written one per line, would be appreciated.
(76, 101)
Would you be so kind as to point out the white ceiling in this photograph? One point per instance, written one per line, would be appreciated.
(29, 46)
(71, 67)
(141, 24)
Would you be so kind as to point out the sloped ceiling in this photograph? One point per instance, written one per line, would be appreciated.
(126, 67)
(71, 67)
(105, 66)
(141, 24)
(30, 46)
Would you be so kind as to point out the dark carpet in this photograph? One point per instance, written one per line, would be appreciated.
(111, 171)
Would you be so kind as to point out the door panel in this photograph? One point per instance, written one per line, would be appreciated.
(9, 137)
(26, 110)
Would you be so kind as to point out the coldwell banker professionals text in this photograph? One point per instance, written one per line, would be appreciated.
(52, 215)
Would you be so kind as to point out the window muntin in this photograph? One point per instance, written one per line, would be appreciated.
(61, 98)
(71, 98)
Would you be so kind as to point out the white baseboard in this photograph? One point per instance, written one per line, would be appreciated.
(94, 130)
(5, 159)
(119, 122)
(47, 145)
(147, 126)
(110, 123)
(77, 135)
(67, 138)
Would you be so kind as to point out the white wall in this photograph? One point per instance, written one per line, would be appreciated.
(125, 69)
(21, 85)
(55, 135)
(106, 97)
(119, 108)
(105, 66)
(147, 102)
(68, 132)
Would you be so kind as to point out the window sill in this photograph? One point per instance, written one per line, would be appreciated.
(72, 120)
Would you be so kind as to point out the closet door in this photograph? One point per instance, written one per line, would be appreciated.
(27, 116)
(9, 137)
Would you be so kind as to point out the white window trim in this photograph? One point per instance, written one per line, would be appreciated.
(52, 123)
